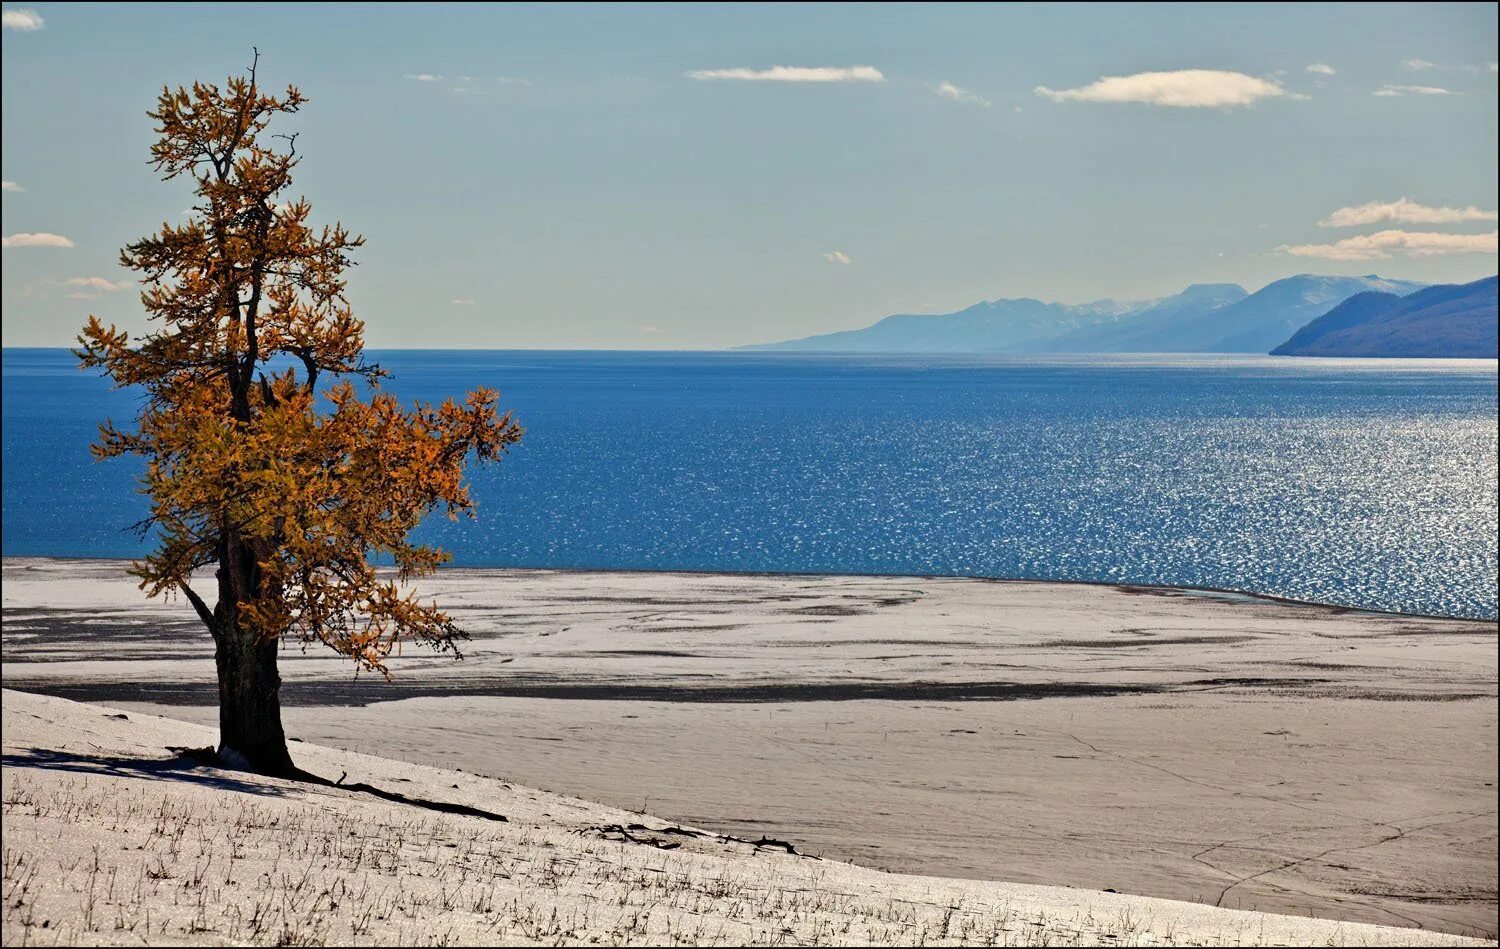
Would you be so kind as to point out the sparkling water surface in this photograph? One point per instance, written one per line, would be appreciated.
(1370, 483)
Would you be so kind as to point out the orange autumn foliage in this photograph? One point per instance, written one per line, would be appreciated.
(262, 456)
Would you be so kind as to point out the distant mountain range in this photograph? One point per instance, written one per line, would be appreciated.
(1207, 318)
(1152, 328)
(1018, 325)
(1256, 323)
(1453, 321)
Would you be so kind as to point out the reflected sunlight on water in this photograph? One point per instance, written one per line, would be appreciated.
(1363, 482)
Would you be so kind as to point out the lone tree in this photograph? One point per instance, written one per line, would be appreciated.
(287, 489)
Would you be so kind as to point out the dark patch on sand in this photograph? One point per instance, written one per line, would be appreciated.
(827, 609)
(370, 691)
(658, 653)
(825, 643)
(1143, 641)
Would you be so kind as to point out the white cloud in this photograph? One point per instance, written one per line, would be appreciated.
(1494, 67)
(1404, 210)
(424, 77)
(92, 288)
(1184, 88)
(35, 240)
(512, 81)
(1322, 69)
(837, 257)
(1389, 90)
(648, 328)
(96, 285)
(794, 74)
(1390, 243)
(24, 20)
(949, 91)
(1417, 65)
(12, 186)
(462, 301)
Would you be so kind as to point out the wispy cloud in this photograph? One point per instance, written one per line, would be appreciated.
(958, 94)
(462, 301)
(1417, 65)
(1322, 69)
(1494, 67)
(12, 186)
(26, 21)
(470, 85)
(35, 240)
(648, 328)
(1394, 243)
(1390, 90)
(837, 257)
(1184, 88)
(1405, 211)
(794, 74)
(87, 288)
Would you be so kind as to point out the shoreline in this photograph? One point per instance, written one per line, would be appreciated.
(1160, 589)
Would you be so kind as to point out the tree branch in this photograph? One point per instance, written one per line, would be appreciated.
(204, 613)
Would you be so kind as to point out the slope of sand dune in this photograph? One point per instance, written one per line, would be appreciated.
(1220, 748)
(110, 838)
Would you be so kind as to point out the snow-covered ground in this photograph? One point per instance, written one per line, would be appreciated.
(111, 838)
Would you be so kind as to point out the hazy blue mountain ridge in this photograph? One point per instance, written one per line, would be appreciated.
(990, 326)
(1196, 302)
(1445, 321)
(1202, 318)
(1267, 317)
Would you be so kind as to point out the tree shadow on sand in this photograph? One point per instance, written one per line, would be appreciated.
(184, 765)
(199, 766)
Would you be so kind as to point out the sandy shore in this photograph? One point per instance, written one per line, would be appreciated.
(112, 839)
(1216, 748)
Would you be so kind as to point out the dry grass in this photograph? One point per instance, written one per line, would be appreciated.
(106, 840)
(88, 861)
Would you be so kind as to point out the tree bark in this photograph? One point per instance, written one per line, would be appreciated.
(250, 733)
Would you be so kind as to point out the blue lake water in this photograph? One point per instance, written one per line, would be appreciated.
(1368, 483)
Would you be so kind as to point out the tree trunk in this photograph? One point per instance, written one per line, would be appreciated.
(250, 734)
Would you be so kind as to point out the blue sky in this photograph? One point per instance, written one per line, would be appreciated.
(636, 177)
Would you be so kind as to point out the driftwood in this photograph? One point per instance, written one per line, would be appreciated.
(630, 832)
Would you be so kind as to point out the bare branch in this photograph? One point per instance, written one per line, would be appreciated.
(204, 613)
